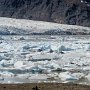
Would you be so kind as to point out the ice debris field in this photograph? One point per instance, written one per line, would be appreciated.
(27, 59)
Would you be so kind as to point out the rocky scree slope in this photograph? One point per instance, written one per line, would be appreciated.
(75, 12)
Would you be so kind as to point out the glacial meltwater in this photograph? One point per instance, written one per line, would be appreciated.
(27, 59)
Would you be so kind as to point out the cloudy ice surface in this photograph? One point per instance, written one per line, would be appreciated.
(27, 59)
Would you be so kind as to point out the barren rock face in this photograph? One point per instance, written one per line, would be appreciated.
(61, 11)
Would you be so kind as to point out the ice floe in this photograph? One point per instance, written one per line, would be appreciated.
(61, 59)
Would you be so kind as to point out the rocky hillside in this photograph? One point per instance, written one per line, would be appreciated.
(76, 12)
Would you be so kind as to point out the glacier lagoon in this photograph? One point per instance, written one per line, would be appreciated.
(27, 59)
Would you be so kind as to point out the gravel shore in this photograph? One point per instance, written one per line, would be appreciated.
(44, 86)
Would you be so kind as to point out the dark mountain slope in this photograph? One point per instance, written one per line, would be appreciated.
(61, 11)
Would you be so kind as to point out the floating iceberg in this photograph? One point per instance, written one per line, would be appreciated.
(67, 76)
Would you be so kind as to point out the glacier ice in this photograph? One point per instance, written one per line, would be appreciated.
(37, 57)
